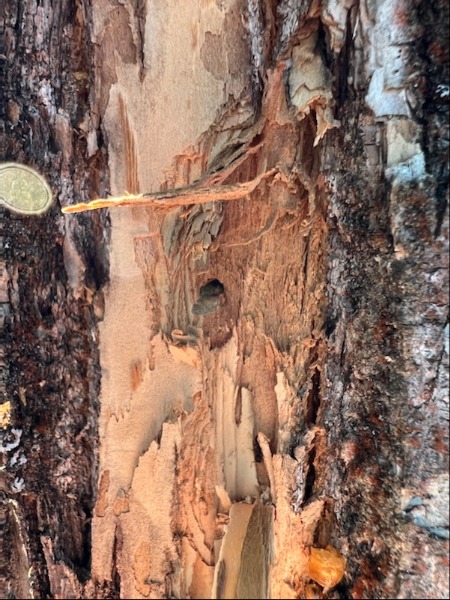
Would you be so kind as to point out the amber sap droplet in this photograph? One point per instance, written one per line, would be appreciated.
(326, 566)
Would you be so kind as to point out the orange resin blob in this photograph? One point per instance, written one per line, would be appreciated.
(326, 566)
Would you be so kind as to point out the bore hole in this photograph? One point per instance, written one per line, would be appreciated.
(209, 297)
(212, 288)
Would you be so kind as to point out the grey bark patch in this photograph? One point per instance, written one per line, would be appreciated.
(212, 55)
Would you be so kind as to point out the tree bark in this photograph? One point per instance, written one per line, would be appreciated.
(241, 371)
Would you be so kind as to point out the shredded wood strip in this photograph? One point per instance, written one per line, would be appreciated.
(264, 444)
(191, 194)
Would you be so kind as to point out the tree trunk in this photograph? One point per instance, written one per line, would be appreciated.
(211, 391)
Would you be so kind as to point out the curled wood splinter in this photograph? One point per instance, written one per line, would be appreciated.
(195, 193)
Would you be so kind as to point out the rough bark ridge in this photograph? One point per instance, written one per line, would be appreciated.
(386, 404)
(273, 366)
(52, 271)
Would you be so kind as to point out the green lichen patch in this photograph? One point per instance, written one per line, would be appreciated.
(23, 190)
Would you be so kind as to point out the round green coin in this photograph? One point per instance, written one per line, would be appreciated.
(23, 190)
